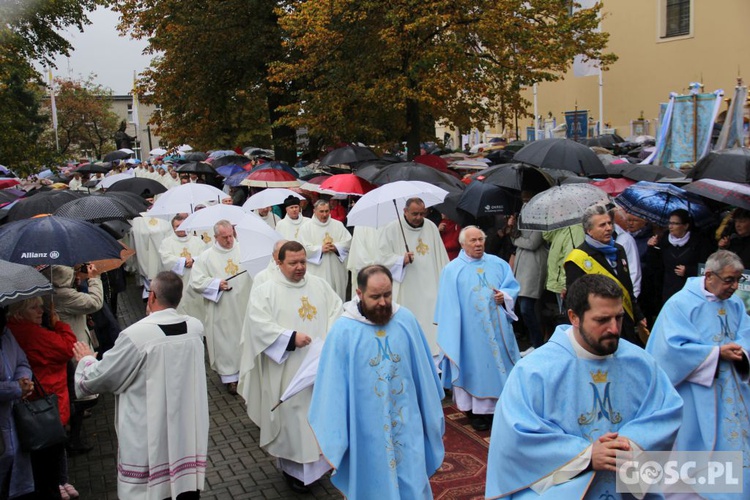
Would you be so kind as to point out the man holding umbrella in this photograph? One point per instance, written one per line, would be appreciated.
(599, 254)
(413, 251)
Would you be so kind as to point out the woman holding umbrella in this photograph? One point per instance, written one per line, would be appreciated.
(676, 255)
(48, 351)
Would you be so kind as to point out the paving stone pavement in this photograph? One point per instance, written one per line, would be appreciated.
(237, 467)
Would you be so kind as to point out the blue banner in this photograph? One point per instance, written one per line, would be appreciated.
(530, 134)
(577, 123)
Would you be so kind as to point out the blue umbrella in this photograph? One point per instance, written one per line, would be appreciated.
(276, 165)
(655, 201)
(229, 170)
(235, 180)
(51, 240)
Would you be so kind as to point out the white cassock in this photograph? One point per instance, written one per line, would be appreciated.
(157, 373)
(76, 185)
(277, 308)
(224, 311)
(172, 182)
(329, 266)
(415, 285)
(289, 228)
(270, 218)
(363, 251)
(174, 252)
(148, 233)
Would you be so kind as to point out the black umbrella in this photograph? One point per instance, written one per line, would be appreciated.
(9, 195)
(197, 167)
(96, 209)
(133, 201)
(411, 171)
(731, 165)
(607, 141)
(651, 173)
(116, 228)
(561, 154)
(348, 154)
(449, 207)
(481, 199)
(500, 156)
(560, 177)
(43, 202)
(229, 160)
(116, 155)
(138, 186)
(195, 156)
(94, 168)
(516, 176)
(55, 240)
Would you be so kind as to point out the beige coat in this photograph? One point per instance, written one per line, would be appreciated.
(71, 305)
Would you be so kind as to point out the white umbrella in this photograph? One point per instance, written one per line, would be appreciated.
(126, 150)
(157, 152)
(269, 197)
(108, 181)
(256, 240)
(384, 204)
(206, 218)
(185, 148)
(305, 376)
(184, 199)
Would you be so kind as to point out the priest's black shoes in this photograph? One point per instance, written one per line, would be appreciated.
(295, 484)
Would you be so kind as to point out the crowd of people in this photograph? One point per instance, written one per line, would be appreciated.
(641, 320)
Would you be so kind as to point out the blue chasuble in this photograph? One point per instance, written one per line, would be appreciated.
(376, 408)
(688, 328)
(475, 334)
(555, 404)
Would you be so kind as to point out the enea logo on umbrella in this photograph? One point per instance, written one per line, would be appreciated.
(494, 208)
(40, 255)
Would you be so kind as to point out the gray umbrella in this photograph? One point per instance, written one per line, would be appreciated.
(20, 283)
(560, 206)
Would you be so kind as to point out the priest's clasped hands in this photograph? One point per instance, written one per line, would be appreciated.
(604, 451)
(731, 352)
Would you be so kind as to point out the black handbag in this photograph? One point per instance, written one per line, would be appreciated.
(38, 423)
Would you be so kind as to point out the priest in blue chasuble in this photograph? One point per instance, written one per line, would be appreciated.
(473, 314)
(571, 405)
(702, 339)
(376, 407)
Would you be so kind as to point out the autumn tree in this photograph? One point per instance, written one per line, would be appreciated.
(86, 122)
(372, 71)
(31, 32)
(209, 76)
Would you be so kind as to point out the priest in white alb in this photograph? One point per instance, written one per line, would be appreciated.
(147, 234)
(157, 373)
(267, 215)
(416, 270)
(291, 224)
(286, 314)
(178, 252)
(326, 242)
(218, 276)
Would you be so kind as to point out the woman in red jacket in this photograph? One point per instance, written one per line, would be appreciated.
(48, 352)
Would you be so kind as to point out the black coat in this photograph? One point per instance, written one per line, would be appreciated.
(622, 272)
(667, 256)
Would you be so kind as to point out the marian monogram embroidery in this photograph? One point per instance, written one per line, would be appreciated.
(205, 237)
(725, 332)
(153, 222)
(307, 311)
(185, 253)
(231, 268)
(602, 405)
(389, 386)
(422, 247)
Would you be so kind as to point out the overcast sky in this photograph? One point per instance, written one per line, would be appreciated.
(101, 51)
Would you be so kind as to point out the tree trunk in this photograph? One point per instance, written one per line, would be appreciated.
(413, 122)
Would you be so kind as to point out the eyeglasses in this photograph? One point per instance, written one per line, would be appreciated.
(730, 280)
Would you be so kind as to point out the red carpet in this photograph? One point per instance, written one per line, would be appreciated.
(462, 475)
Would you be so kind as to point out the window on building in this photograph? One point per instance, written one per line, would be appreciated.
(130, 113)
(676, 18)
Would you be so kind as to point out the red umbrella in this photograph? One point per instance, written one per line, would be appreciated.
(348, 184)
(435, 162)
(270, 178)
(318, 179)
(613, 187)
(6, 183)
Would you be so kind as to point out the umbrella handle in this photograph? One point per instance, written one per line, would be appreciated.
(400, 225)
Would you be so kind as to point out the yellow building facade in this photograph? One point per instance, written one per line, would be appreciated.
(663, 46)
